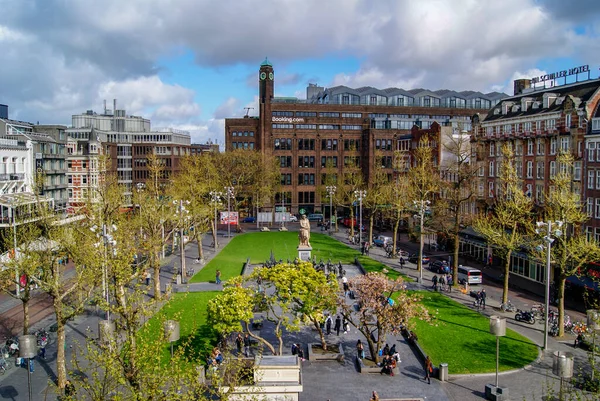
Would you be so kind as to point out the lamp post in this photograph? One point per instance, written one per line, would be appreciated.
(215, 197)
(182, 217)
(422, 206)
(12, 214)
(498, 329)
(171, 328)
(107, 239)
(330, 192)
(548, 240)
(230, 194)
(360, 195)
(28, 350)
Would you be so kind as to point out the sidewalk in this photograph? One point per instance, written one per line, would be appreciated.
(529, 383)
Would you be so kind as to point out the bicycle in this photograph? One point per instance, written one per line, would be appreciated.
(538, 310)
(508, 307)
(4, 364)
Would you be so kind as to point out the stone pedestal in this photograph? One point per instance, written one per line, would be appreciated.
(495, 393)
(304, 253)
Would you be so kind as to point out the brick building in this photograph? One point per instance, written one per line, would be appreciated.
(341, 125)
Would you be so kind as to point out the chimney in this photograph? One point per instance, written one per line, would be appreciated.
(520, 85)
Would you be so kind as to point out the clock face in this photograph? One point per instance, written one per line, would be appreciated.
(271, 76)
(263, 75)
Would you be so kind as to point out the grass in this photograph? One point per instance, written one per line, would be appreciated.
(461, 337)
(258, 247)
(190, 310)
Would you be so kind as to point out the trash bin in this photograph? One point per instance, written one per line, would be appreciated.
(443, 372)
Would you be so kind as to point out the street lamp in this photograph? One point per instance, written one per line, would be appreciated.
(498, 329)
(183, 214)
(549, 240)
(422, 206)
(360, 195)
(230, 194)
(28, 350)
(330, 192)
(215, 197)
(107, 239)
(12, 214)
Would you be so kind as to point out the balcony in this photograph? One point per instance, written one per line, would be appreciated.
(12, 177)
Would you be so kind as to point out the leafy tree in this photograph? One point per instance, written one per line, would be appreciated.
(383, 305)
(458, 180)
(377, 195)
(400, 206)
(424, 183)
(508, 226)
(571, 250)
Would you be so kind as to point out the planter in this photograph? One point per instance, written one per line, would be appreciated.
(334, 352)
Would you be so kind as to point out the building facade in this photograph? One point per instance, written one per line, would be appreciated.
(339, 126)
(538, 124)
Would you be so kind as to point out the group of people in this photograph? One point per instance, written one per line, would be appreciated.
(298, 350)
(391, 358)
(243, 342)
(365, 247)
(339, 324)
(442, 283)
(480, 297)
(216, 357)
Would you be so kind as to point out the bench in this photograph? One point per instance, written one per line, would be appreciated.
(362, 368)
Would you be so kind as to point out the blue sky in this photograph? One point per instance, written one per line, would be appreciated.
(189, 64)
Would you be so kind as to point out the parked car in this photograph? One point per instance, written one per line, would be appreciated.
(382, 240)
(439, 266)
(249, 219)
(315, 217)
(293, 218)
(402, 252)
(413, 258)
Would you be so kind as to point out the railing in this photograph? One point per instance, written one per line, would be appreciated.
(12, 177)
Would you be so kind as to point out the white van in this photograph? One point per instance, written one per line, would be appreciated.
(469, 275)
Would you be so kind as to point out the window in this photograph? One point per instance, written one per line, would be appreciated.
(568, 121)
(70, 179)
(589, 206)
(539, 191)
(597, 179)
(491, 169)
(329, 114)
(540, 146)
(491, 189)
(590, 183)
(591, 148)
(351, 115)
(597, 209)
(530, 147)
(306, 114)
(481, 172)
(540, 170)
(553, 169)
(492, 149)
(530, 169)
(577, 171)
(283, 114)
(528, 190)
(564, 143)
(519, 148)
(519, 168)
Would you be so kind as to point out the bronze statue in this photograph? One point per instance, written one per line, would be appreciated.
(304, 233)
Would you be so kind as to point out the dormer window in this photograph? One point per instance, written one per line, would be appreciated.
(516, 108)
(535, 105)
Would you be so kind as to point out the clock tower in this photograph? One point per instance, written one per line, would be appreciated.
(266, 91)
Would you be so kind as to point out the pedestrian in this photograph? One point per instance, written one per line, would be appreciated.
(69, 389)
(428, 369)
(434, 279)
(294, 349)
(345, 285)
(402, 261)
(442, 282)
(346, 326)
(478, 299)
(374, 396)
(148, 277)
(360, 349)
(338, 325)
(43, 344)
(239, 342)
(218, 276)
(247, 345)
(328, 323)
(450, 282)
(363, 248)
(367, 247)
(300, 352)
(386, 350)
(483, 297)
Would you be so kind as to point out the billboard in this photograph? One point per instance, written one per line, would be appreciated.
(229, 218)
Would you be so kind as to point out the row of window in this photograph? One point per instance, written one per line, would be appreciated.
(528, 126)
(242, 145)
(538, 146)
(540, 166)
(326, 144)
(405, 100)
(244, 133)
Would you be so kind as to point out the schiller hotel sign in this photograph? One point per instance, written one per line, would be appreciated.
(561, 74)
(287, 120)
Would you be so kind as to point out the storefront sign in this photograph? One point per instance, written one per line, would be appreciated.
(289, 120)
(561, 74)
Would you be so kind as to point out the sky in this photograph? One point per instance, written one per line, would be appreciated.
(189, 64)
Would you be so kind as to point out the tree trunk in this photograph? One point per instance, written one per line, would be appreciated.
(200, 247)
(506, 275)
(372, 345)
(214, 233)
(456, 253)
(352, 222)
(25, 303)
(336, 220)
(396, 225)
(279, 336)
(156, 267)
(260, 339)
(321, 335)
(561, 304)
(371, 218)
(61, 368)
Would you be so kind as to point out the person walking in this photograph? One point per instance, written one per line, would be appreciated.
(148, 277)
(247, 345)
(218, 276)
(360, 349)
(449, 281)
(328, 323)
(434, 279)
(483, 297)
(428, 369)
(402, 261)
(239, 342)
(338, 325)
(374, 396)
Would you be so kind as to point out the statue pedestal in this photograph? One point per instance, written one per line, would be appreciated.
(304, 253)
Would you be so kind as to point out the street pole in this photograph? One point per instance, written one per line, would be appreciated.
(421, 243)
(182, 249)
(17, 278)
(548, 250)
(331, 191)
(229, 191)
(360, 194)
(105, 270)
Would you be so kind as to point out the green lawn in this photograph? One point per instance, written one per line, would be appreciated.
(190, 310)
(258, 247)
(461, 337)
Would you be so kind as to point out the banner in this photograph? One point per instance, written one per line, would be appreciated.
(229, 218)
